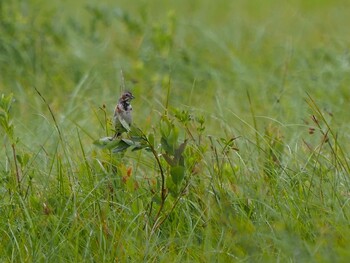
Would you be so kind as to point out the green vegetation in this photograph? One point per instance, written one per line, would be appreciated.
(239, 149)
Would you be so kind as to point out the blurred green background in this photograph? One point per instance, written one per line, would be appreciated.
(212, 53)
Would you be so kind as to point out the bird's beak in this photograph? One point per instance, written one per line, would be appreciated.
(132, 96)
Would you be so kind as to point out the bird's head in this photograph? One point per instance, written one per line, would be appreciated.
(126, 97)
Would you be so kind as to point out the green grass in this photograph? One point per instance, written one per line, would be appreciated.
(259, 91)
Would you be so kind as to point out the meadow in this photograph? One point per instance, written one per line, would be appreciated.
(239, 148)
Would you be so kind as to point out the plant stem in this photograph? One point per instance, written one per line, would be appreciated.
(16, 166)
(173, 207)
(51, 112)
(163, 189)
(254, 121)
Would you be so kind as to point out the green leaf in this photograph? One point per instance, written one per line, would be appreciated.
(171, 186)
(3, 114)
(6, 101)
(136, 138)
(169, 160)
(183, 116)
(140, 147)
(173, 137)
(136, 132)
(151, 139)
(106, 143)
(177, 174)
(129, 142)
(121, 147)
(23, 159)
(19, 159)
(165, 145)
(179, 151)
(165, 127)
(124, 124)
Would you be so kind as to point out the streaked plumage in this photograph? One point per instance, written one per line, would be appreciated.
(122, 118)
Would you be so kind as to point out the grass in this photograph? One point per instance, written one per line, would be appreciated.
(242, 108)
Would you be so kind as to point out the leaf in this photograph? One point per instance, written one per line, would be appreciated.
(19, 159)
(6, 101)
(165, 145)
(140, 147)
(3, 114)
(136, 138)
(169, 160)
(183, 116)
(124, 124)
(151, 139)
(23, 159)
(172, 187)
(136, 132)
(165, 127)
(177, 174)
(179, 151)
(121, 147)
(172, 138)
(129, 142)
(106, 143)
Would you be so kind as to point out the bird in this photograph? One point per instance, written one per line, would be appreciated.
(122, 117)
